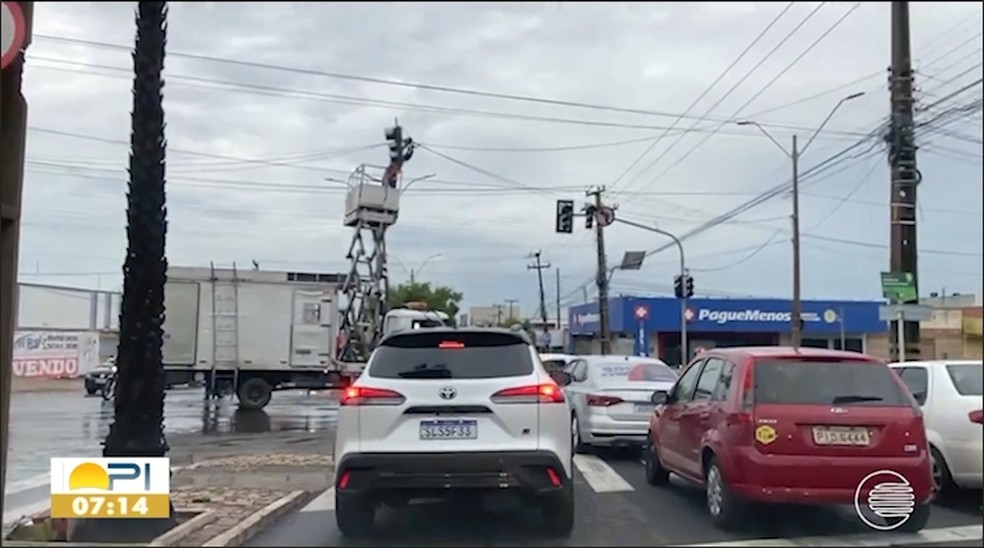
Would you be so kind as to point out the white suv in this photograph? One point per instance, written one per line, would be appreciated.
(453, 412)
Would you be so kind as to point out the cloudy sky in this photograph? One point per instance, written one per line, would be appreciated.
(270, 105)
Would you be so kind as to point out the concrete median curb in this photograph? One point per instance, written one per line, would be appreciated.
(259, 520)
(178, 534)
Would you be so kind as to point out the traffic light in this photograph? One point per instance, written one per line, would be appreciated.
(394, 138)
(565, 217)
(589, 216)
(683, 286)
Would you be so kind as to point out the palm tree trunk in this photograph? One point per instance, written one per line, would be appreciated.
(138, 425)
(138, 422)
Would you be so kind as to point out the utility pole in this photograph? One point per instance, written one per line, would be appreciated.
(557, 288)
(796, 331)
(602, 274)
(905, 176)
(512, 308)
(498, 315)
(539, 266)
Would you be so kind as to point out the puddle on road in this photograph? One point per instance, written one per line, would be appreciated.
(45, 425)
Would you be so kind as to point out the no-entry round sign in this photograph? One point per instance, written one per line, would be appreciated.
(12, 33)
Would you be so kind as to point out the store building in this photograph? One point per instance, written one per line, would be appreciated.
(651, 325)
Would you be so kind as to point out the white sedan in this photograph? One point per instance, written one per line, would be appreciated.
(611, 398)
(949, 391)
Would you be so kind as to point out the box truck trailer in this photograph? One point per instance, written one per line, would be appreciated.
(252, 332)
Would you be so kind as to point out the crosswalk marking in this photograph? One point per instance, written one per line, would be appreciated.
(929, 536)
(600, 476)
(325, 502)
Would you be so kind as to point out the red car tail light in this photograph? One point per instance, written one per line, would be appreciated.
(364, 395)
(977, 416)
(534, 393)
(596, 400)
(747, 394)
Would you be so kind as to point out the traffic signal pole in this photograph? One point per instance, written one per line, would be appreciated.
(687, 282)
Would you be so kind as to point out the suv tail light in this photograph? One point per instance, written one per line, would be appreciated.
(977, 416)
(364, 395)
(595, 400)
(534, 393)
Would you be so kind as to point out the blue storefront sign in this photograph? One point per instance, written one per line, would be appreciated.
(729, 316)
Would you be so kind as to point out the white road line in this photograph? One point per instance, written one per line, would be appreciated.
(600, 476)
(325, 502)
(929, 536)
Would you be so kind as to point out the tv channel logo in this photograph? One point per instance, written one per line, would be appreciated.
(110, 487)
(884, 500)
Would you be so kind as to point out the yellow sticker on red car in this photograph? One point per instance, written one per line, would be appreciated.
(765, 434)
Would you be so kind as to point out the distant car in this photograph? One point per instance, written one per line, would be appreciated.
(99, 376)
(948, 392)
(611, 399)
(453, 412)
(556, 362)
(788, 426)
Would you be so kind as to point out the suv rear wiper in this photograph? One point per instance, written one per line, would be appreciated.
(854, 398)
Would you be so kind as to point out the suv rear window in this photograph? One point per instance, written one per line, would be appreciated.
(827, 383)
(968, 378)
(450, 355)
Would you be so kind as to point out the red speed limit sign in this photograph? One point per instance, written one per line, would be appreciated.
(13, 32)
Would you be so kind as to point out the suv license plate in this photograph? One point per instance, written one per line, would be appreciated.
(449, 429)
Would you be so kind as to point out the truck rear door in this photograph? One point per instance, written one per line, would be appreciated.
(310, 338)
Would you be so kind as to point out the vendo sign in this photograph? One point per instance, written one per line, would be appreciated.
(54, 354)
(55, 367)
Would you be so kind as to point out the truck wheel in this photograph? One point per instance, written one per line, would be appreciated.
(254, 393)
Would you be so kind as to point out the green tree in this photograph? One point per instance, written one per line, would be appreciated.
(440, 297)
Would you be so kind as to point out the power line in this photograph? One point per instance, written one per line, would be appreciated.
(370, 79)
(707, 90)
(735, 86)
(769, 84)
(287, 93)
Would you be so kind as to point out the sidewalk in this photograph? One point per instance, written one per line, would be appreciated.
(243, 494)
(227, 497)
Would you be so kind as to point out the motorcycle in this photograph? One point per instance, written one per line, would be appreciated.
(109, 388)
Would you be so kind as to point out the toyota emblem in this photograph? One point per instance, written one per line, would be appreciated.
(448, 393)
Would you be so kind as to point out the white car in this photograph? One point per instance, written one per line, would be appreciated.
(448, 412)
(611, 397)
(948, 392)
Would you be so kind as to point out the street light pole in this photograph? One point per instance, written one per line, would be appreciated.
(796, 307)
(684, 343)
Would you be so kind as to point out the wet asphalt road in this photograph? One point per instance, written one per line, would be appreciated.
(69, 424)
(616, 507)
(632, 514)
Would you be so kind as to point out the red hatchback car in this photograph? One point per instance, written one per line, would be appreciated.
(779, 425)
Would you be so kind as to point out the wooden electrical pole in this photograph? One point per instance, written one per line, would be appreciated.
(905, 176)
(602, 274)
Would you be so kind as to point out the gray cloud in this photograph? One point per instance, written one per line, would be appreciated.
(281, 210)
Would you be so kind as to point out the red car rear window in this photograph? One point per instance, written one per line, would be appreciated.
(827, 383)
